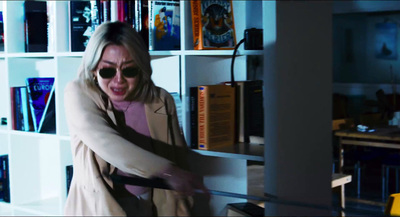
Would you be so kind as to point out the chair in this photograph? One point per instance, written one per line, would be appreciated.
(390, 162)
(393, 205)
(363, 155)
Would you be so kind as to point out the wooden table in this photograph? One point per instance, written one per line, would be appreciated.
(382, 137)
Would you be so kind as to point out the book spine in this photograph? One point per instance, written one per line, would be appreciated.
(35, 19)
(202, 117)
(114, 11)
(34, 120)
(51, 7)
(1, 32)
(131, 13)
(19, 115)
(5, 178)
(193, 118)
(13, 109)
(121, 11)
(25, 108)
(196, 24)
(106, 4)
(145, 21)
(94, 15)
(253, 109)
(80, 24)
(151, 24)
(138, 19)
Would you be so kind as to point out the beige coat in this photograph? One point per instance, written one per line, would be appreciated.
(98, 148)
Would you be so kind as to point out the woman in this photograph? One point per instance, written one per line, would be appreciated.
(121, 123)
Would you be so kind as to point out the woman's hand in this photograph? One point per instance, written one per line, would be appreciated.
(183, 181)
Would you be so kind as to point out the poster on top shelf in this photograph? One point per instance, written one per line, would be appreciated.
(40, 90)
(213, 25)
(80, 24)
(164, 25)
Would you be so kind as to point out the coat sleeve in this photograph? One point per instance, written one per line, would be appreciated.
(89, 123)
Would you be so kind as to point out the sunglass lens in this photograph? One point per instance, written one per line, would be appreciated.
(107, 72)
(130, 72)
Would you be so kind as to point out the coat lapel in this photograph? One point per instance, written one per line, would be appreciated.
(157, 120)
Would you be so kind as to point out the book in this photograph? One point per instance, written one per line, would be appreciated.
(193, 117)
(164, 25)
(253, 109)
(94, 15)
(51, 26)
(19, 108)
(4, 179)
(244, 209)
(13, 109)
(1, 32)
(144, 14)
(105, 10)
(80, 24)
(138, 16)
(27, 124)
(69, 170)
(35, 19)
(48, 121)
(213, 24)
(216, 116)
(39, 90)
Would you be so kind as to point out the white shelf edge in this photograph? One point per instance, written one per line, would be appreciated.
(69, 54)
(222, 52)
(237, 151)
(31, 55)
(152, 53)
(45, 207)
(32, 134)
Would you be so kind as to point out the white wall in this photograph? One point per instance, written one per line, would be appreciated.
(298, 88)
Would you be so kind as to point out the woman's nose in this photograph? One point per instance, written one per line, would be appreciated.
(119, 77)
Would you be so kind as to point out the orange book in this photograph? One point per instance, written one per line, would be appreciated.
(216, 116)
(213, 25)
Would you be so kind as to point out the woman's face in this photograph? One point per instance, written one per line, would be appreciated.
(116, 59)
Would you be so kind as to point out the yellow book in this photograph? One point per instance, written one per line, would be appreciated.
(216, 116)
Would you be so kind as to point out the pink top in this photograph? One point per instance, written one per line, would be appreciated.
(135, 118)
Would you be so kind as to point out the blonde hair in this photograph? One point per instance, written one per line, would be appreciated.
(118, 33)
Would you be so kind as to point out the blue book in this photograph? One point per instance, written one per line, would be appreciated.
(164, 25)
(39, 91)
(48, 122)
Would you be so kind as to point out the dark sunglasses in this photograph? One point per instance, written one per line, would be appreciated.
(129, 72)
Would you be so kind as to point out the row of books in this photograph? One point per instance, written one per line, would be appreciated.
(158, 22)
(33, 106)
(222, 114)
(4, 179)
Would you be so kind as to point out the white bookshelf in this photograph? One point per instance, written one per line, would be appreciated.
(37, 161)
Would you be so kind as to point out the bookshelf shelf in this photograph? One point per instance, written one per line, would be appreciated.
(228, 53)
(46, 207)
(250, 152)
(32, 134)
(31, 55)
(30, 154)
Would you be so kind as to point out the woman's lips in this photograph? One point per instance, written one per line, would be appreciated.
(118, 91)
